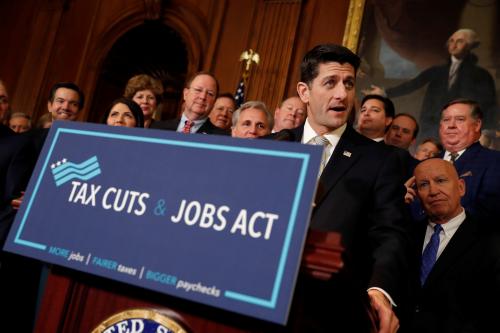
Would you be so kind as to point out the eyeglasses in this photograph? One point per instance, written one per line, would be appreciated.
(199, 90)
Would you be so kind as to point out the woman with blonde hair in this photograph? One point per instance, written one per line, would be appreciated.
(145, 91)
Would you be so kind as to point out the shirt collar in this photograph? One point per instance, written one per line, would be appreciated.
(455, 60)
(447, 155)
(452, 225)
(333, 137)
(196, 122)
(194, 128)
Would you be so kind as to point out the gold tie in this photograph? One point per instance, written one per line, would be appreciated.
(453, 157)
(320, 140)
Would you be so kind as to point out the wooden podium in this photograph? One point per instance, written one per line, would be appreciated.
(75, 302)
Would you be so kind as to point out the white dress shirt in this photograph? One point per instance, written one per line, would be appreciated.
(447, 155)
(194, 128)
(333, 137)
(449, 229)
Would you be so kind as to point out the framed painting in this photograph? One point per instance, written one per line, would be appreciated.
(408, 48)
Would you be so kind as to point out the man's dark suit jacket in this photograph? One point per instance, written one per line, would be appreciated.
(407, 162)
(17, 159)
(473, 82)
(19, 276)
(462, 291)
(172, 124)
(479, 167)
(360, 194)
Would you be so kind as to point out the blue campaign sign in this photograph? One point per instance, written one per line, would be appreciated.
(211, 219)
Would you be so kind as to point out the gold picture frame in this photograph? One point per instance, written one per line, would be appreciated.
(353, 24)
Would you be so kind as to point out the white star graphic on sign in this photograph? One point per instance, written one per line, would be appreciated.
(64, 160)
(53, 166)
(58, 163)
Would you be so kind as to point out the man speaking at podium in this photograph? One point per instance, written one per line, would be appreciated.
(360, 195)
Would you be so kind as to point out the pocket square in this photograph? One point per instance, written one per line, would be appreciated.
(466, 174)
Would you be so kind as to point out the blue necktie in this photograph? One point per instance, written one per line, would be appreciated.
(429, 254)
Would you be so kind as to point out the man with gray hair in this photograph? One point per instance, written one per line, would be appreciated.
(20, 122)
(252, 120)
(460, 77)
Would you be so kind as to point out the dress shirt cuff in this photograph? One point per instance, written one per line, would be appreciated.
(385, 294)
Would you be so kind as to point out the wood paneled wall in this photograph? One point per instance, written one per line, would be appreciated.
(68, 40)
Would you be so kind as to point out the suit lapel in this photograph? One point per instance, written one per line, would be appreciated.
(172, 124)
(468, 155)
(344, 156)
(298, 132)
(206, 128)
(461, 241)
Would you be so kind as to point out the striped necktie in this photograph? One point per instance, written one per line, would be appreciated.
(320, 140)
(187, 126)
(453, 157)
(453, 74)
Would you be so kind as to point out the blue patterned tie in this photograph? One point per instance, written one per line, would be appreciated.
(429, 254)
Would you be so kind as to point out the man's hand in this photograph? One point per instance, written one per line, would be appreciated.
(387, 320)
(16, 203)
(411, 194)
(374, 90)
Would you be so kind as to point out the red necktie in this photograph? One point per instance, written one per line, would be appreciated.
(187, 126)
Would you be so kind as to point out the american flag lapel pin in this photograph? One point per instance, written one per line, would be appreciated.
(347, 153)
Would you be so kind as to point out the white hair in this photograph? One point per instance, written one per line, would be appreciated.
(471, 37)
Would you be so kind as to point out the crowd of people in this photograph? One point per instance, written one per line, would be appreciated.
(419, 229)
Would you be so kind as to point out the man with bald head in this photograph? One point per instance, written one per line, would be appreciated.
(456, 272)
(290, 114)
(439, 190)
(199, 96)
(460, 77)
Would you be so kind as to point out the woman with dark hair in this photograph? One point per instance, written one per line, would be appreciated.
(124, 112)
(145, 91)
